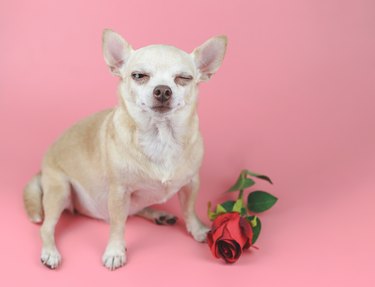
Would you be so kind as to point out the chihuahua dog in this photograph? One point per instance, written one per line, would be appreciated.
(119, 162)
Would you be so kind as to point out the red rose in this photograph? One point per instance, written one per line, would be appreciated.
(229, 236)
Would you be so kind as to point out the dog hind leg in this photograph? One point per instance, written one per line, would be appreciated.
(56, 198)
(32, 199)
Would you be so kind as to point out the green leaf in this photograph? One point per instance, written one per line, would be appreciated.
(241, 183)
(211, 215)
(238, 205)
(243, 211)
(260, 176)
(220, 209)
(253, 222)
(259, 201)
(228, 205)
(231, 206)
(256, 225)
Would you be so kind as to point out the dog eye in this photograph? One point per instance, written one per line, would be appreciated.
(139, 76)
(183, 80)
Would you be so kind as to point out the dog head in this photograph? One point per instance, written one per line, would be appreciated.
(160, 80)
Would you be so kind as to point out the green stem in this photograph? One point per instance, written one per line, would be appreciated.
(241, 194)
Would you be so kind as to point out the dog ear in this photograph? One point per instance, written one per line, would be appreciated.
(209, 56)
(116, 51)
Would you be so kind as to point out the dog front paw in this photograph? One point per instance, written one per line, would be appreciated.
(50, 258)
(198, 230)
(114, 257)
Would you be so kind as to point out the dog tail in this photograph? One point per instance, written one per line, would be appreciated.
(32, 199)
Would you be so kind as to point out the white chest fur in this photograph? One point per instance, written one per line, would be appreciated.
(161, 143)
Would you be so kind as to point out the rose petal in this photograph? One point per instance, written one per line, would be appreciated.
(229, 235)
(229, 250)
(210, 240)
(222, 218)
(225, 249)
(233, 231)
(216, 235)
(212, 244)
(247, 232)
(237, 250)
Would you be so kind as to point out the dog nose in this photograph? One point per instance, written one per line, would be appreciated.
(162, 93)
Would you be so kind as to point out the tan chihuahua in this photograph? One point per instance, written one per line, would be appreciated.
(119, 162)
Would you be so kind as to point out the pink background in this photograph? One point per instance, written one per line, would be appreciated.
(294, 99)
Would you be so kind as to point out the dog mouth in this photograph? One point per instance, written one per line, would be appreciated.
(161, 109)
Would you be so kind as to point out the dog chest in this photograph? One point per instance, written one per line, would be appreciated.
(160, 143)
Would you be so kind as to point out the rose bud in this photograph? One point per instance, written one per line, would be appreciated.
(229, 236)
